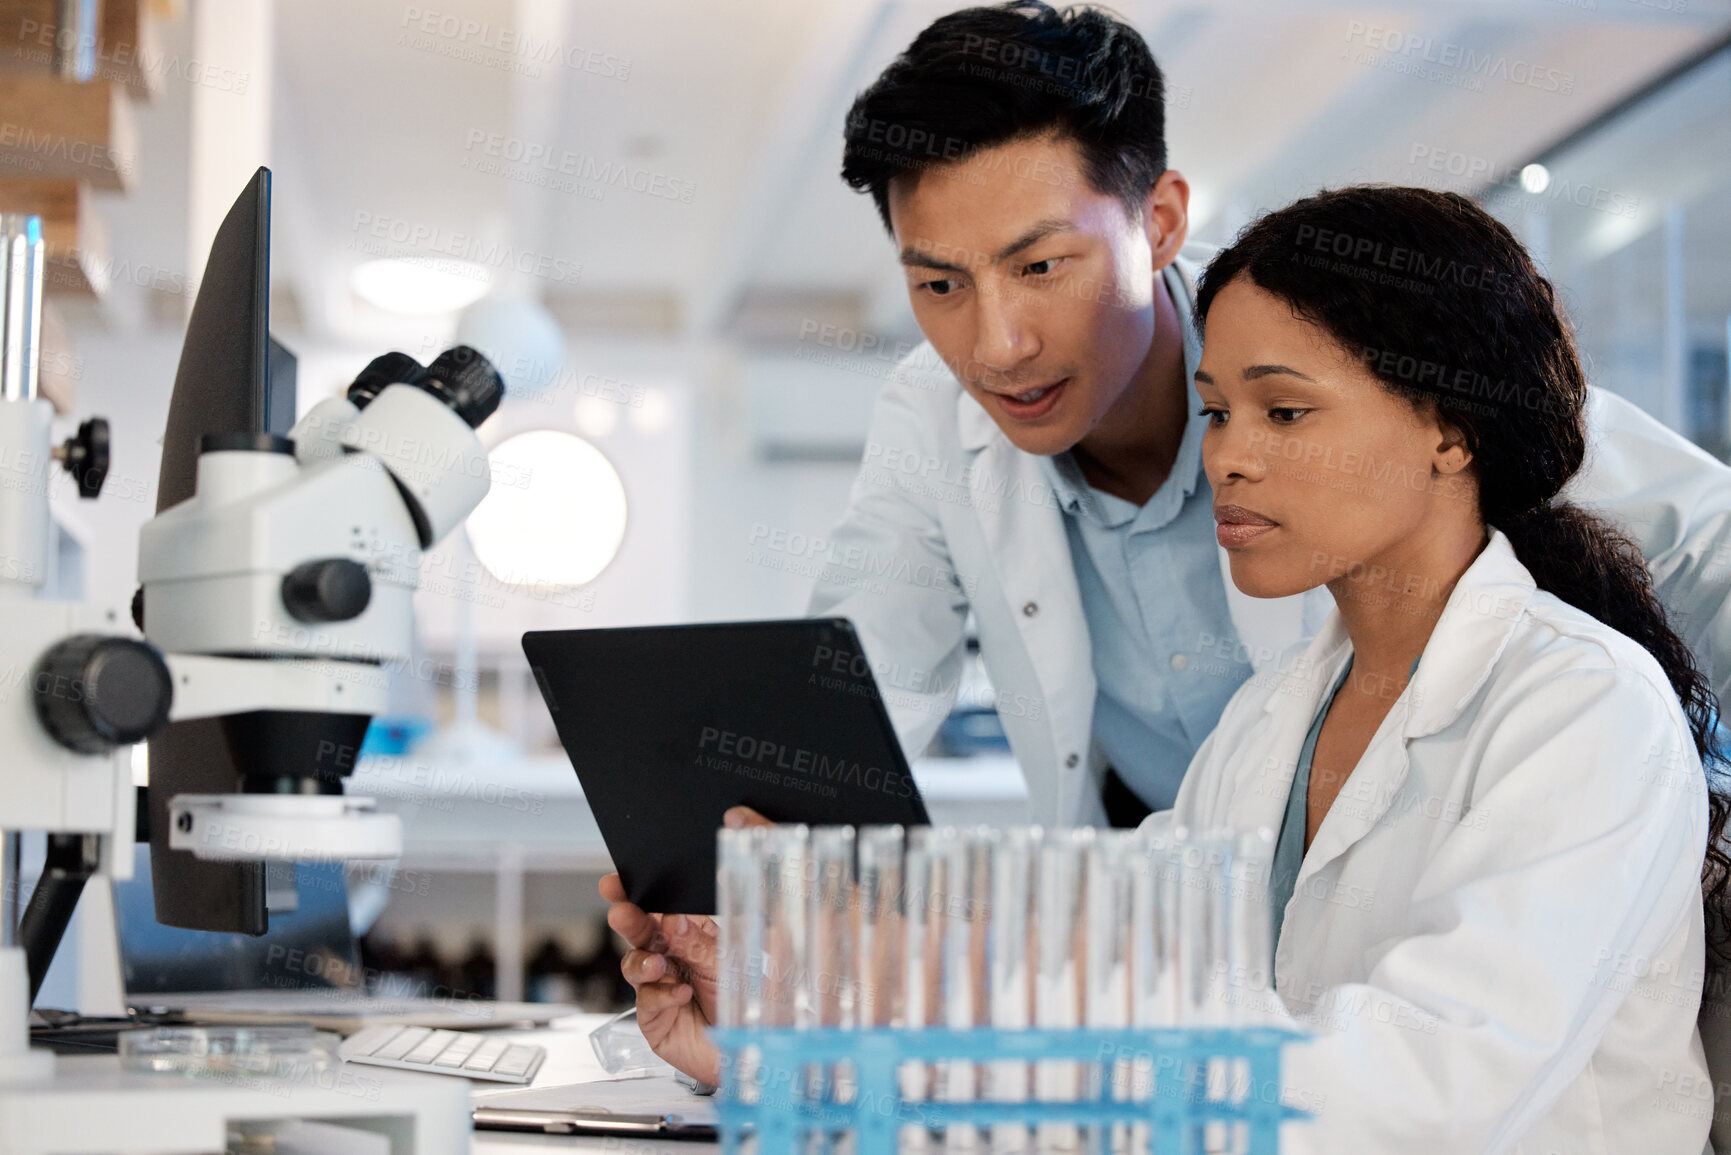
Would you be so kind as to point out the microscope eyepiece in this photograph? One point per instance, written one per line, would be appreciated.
(461, 377)
(383, 371)
(466, 381)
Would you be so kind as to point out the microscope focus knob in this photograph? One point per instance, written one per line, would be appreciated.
(466, 381)
(332, 589)
(85, 456)
(95, 692)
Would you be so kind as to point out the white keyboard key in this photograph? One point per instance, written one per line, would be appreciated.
(516, 1061)
(402, 1044)
(486, 1055)
(458, 1052)
(367, 1041)
(431, 1047)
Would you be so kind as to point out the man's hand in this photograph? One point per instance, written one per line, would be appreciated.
(672, 967)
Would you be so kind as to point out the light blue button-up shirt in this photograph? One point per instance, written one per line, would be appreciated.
(1155, 602)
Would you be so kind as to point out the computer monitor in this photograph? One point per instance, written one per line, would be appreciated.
(226, 382)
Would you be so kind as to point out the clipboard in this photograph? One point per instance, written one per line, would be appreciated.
(648, 1108)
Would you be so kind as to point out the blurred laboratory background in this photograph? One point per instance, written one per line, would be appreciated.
(634, 208)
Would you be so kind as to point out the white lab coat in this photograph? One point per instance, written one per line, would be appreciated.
(1497, 932)
(948, 517)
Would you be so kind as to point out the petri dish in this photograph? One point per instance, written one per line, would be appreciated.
(266, 1051)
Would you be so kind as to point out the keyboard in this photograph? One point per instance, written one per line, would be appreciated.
(474, 1056)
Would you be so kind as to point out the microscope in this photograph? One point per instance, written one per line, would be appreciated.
(273, 600)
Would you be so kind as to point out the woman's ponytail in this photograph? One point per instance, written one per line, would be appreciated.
(1587, 562)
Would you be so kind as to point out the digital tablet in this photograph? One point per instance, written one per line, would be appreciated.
(669, 726)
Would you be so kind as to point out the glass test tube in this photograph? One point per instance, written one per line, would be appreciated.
(739, 911)
(832, 915)
(786, 997)
(1013, 949)
(786, 988)
(739, 894)
(1060, 980)
(1205, 860)
(1154, 886)
(924, 872)
(1251, 927)
(1154, 933)
(1205, 904)
(832, 986)
(967, 954)
(881, 927)
(1109, 961)
(1251, 946)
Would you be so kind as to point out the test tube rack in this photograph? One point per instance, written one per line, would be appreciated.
(1181, 1103)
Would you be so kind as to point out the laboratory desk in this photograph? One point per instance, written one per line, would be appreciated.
(570, 1059)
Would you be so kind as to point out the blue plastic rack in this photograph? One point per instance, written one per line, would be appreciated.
(781, 1115)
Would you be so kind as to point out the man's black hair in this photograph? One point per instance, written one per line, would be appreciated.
(981, 77)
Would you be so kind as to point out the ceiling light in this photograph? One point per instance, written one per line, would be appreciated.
(555, 514)
(420, 284)
(1535, 178)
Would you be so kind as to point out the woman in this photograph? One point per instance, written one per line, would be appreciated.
(1486, 769)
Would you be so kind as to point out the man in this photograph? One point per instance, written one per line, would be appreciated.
(1043, 448)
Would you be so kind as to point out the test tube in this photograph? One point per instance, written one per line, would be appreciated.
(1251, 927)
(1205, 860)
(1204, 905)
(1250, 934)
(1111, 858)
(881, 927)
(739, 891)
(925, 872)
(786, 988)
(1060, 980)
(739, 911)
(787, 996)
(1109, 895)
(1013, 948)
(831, 917)
(1154, 885)
(1154, 932)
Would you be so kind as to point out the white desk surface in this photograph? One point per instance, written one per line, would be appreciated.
(570, 1059)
